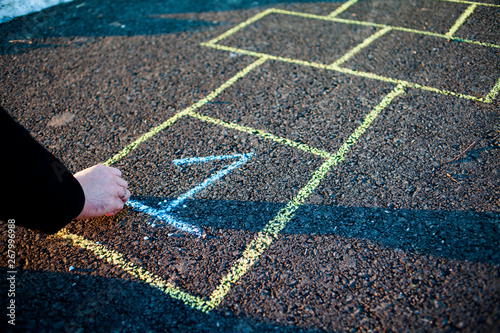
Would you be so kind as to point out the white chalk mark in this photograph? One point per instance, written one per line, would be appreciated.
(193, 160)
(243, 158)
(164, 213)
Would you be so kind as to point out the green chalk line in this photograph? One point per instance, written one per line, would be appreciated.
(493, 93)
(265, 238)
(461, 20)
(359, 47)
(342, 8)
(262, 134)
(241, 26)
(345, 21)
(268, 56)
(377, 25)
(155, 130)
(408, 84)
(138, 272)
(473, 3)
(335, 66)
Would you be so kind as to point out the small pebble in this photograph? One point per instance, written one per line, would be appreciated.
(146, 237)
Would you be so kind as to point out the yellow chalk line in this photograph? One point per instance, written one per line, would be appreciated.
(342, 8)
(377, 25)
(351, 72)
(473, 3)
(138, 272)
(241, 26)
(268, 56)
(359, 47)
(155, 130)
(408, 84)
(327, 18)
(262, 134)
(266, 237)
(489, 98)
(461, 20)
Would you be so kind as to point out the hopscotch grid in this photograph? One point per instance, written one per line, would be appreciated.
(116, 258)
(344, 21)
(269, 233)
(335, 66)
(259, 243)
(266, 237)
(355, 73)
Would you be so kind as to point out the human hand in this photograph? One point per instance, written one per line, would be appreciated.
(105, 191)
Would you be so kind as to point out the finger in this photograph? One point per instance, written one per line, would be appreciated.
(122, 182)
(122, 192)
(115, 171)
(116, 206)
(126, 197)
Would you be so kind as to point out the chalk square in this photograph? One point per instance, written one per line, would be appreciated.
(247, 199)
(302, 38)
(483, 25)
(189, 137)
(431, 61)
(411, 165)
(426, 15)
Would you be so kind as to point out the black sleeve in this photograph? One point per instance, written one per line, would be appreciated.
(36, 189)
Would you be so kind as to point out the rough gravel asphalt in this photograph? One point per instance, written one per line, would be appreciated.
(369, 199)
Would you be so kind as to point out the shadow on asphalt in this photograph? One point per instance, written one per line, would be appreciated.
(85, 301)
(100, 18)
(79, 302)
(462, 235)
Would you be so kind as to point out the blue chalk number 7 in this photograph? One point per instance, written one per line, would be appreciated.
(163, 213)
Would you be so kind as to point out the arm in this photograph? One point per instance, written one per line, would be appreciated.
(36, 189)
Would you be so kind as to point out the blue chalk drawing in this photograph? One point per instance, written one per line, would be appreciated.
(164, 212)
(161, 214)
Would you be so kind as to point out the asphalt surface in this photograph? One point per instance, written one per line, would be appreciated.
(358, 196)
